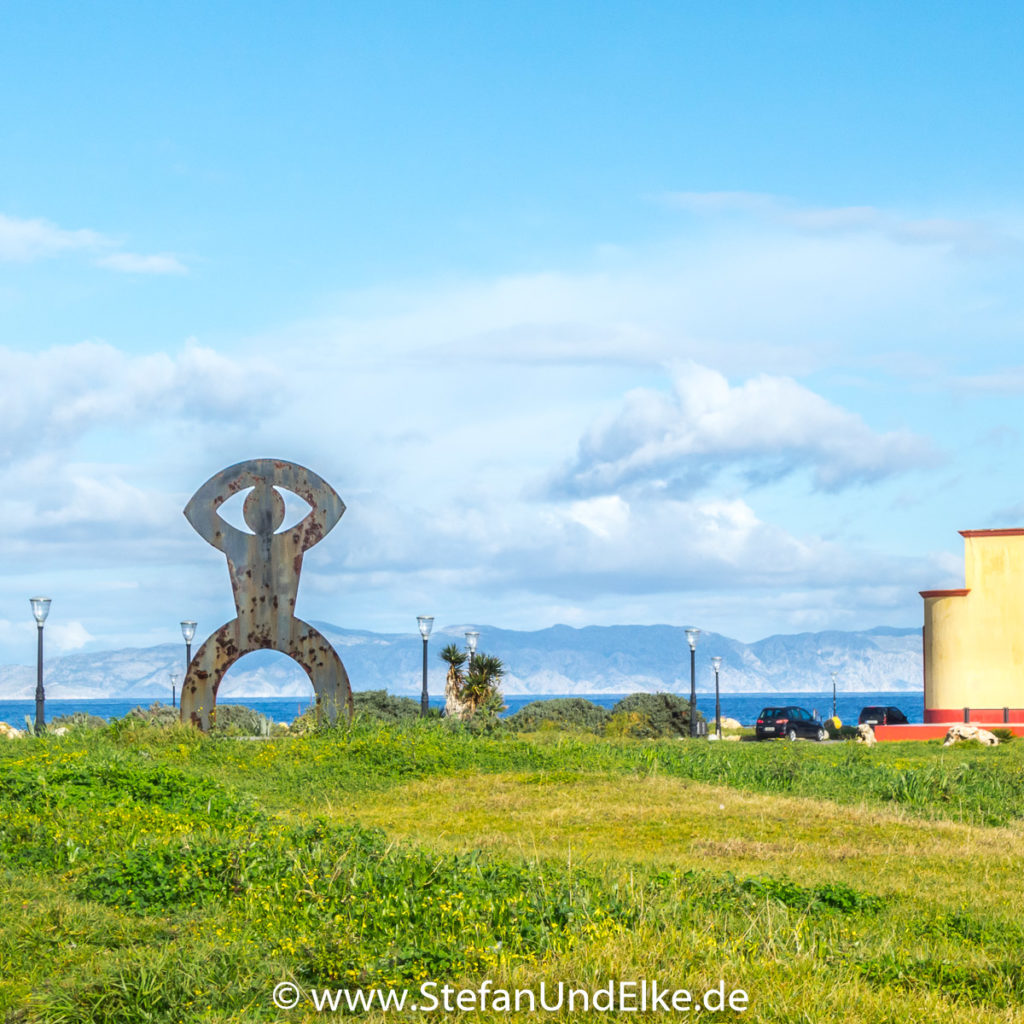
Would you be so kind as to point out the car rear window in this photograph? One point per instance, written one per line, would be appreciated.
(771, 713)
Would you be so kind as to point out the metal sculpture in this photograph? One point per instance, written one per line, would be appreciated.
(264, 567)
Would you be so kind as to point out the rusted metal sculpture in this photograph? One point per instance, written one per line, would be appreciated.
(264, 566)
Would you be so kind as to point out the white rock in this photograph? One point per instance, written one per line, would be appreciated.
(61, 730)
(731, 723)
(9, 732)
(970, 732)
(866, 735)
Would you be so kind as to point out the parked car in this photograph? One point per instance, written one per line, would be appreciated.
(881, 716)
(791, 722)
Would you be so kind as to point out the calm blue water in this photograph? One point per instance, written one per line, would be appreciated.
(741, 706)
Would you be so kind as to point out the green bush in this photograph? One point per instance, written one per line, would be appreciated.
(156, 714)
(239, 720)
(572, 713)
(666, 714)
(632, 724)
(385, 707)
(368, 706)
(77, 720)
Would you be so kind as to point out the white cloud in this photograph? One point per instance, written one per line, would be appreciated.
(768, 426)
(1009, 381)
(50, 399)
(61, 637)
(758, 295)
(134, 263)
(25, 241)
(965, 236)
(22, 241)
(584, 550)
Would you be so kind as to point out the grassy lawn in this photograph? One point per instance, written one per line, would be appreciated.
(155, 875)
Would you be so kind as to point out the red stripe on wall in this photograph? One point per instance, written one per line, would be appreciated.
(986, 716)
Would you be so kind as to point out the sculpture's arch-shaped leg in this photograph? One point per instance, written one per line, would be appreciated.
(305, 645)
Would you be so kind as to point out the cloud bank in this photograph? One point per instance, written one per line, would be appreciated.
(26, 241)
(766, 427)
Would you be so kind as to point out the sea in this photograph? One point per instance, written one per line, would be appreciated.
(744, 707)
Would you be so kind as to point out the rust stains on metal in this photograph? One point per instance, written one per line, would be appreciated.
(264, 567)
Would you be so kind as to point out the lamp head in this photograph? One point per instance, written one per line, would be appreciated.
(471, 638)
(188, 630)
(692, 632)
(40, 608)
(426, 624)
(717, 662)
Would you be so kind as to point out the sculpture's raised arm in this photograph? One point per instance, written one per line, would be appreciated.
(326, 507)
(201, 510)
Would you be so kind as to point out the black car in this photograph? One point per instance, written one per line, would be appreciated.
(881, 716)
(791, 722)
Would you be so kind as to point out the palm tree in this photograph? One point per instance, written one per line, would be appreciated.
(481, 690)
(455, 705)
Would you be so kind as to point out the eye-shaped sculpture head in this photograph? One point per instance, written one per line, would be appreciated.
(264, 509)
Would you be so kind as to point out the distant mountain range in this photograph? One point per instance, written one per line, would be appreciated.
(558, 660)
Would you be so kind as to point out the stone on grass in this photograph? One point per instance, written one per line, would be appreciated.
(9, 732)
(970, 732)
(866, 735)
(731, 723)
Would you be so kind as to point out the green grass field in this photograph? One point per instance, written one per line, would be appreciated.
(156, 875)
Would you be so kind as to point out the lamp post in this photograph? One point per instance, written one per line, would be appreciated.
(692, 632)
(188, 630)
(717, 662)
(174, 689)
(834, 674)
(40, 609)
(471, 638)
(426, 623)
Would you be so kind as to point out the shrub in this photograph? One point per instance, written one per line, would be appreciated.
(238, 720)
(633, 724)
(77, 720)
(156, 714)
(384, 707)
(560, 713)
(667, 714)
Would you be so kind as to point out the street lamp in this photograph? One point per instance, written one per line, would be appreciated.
(834, 674)
(40, 609)
(717, 662)
(426, 623)
(188, 630)
(471, 638)
(692, 632)
(174, 688)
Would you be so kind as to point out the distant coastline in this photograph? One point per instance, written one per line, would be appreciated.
(742, 706)
(603, 660)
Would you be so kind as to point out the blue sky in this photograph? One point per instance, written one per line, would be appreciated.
(592, 313)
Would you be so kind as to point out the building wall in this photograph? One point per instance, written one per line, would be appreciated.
(974, 638)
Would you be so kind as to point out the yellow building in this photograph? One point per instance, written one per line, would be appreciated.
(974, 638)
